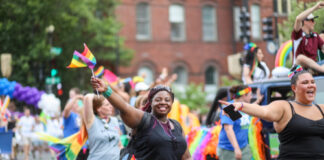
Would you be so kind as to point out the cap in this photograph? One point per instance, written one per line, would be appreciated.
(311, 16)
(141, 86)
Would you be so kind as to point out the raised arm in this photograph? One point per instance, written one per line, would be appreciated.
(304, 14)
(273, 112)
(130, 115)
(88, 115)
(70, 104)
(120, 92)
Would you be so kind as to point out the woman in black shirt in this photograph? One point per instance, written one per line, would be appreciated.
(299, 123)
(157, 137)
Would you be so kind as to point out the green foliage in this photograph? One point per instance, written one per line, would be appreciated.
(194, 97)
(226, 81)
(23, 33)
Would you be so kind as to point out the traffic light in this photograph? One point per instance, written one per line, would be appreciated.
(267, 29)
(245, 25)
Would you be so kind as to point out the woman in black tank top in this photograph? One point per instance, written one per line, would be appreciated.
(300, 123)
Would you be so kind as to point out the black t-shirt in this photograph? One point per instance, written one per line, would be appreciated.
(153, 143)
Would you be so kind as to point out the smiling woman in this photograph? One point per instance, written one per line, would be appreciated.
(300, 123)
(157, 137)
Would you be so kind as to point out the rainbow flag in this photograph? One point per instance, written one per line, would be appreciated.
(69, 147)
(90, 59)
(76, 61)
(4, 105)
(99, 72)
(110, 76)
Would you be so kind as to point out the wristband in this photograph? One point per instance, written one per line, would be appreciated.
(108, 92)
(241, 107)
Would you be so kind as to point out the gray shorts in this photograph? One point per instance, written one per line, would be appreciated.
(224, 154)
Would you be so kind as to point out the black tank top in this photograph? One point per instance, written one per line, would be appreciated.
(302, 138)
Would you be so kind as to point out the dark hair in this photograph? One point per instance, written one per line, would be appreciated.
(294, 78)
(97, 103)
(76, 90)
(250, 58)
(153, 92)
(221, 93)
(235, 89)
(127, 87)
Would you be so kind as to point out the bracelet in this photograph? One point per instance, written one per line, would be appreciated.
(241, 107)
(108, 92)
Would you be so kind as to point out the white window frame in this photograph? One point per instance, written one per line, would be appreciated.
(146, 20)
(236, 22)
(149, 73)
(256, 22)
(177, 16)
(212, 24)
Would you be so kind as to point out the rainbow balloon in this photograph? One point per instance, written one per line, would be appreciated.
(283, 53)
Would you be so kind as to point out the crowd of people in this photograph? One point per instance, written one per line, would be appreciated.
(115, 111)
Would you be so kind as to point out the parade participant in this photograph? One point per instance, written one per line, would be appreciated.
(305, 41)
(233, 138)
(71, 117)
(103, 130)
(254, 69)
(299, 123)
(157, 137)
(25, 128)
(214, 114)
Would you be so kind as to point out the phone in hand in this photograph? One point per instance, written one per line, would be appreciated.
(234, 115)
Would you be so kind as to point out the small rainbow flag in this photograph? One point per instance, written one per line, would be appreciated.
(99, 72)
(90, 59)
(76, 61)
(4, 105)
(110, 76)
(69, 147)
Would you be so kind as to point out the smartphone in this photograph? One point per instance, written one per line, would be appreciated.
(234, 115)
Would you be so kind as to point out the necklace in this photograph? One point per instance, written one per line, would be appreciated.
(303, 104)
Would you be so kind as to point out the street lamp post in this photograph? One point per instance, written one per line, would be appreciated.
(50, 30)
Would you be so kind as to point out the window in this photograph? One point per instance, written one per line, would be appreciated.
(283, 7)
(143, 26)
(147, 71)
(237, 29)
(177, 22)
(210, 75)
(209, 23)
(182, 75)
(255, 20)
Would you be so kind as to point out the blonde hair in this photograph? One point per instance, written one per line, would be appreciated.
(139, 100)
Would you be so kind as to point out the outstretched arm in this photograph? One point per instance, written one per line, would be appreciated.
(272, 112)
(68, 107)
(304, 14)
(130, 115)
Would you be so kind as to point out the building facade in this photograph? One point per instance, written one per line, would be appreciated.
(190, 37)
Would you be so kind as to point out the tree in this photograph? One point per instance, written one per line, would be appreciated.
(23, 33)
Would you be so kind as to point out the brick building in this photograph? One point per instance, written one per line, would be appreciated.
(190, 37)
